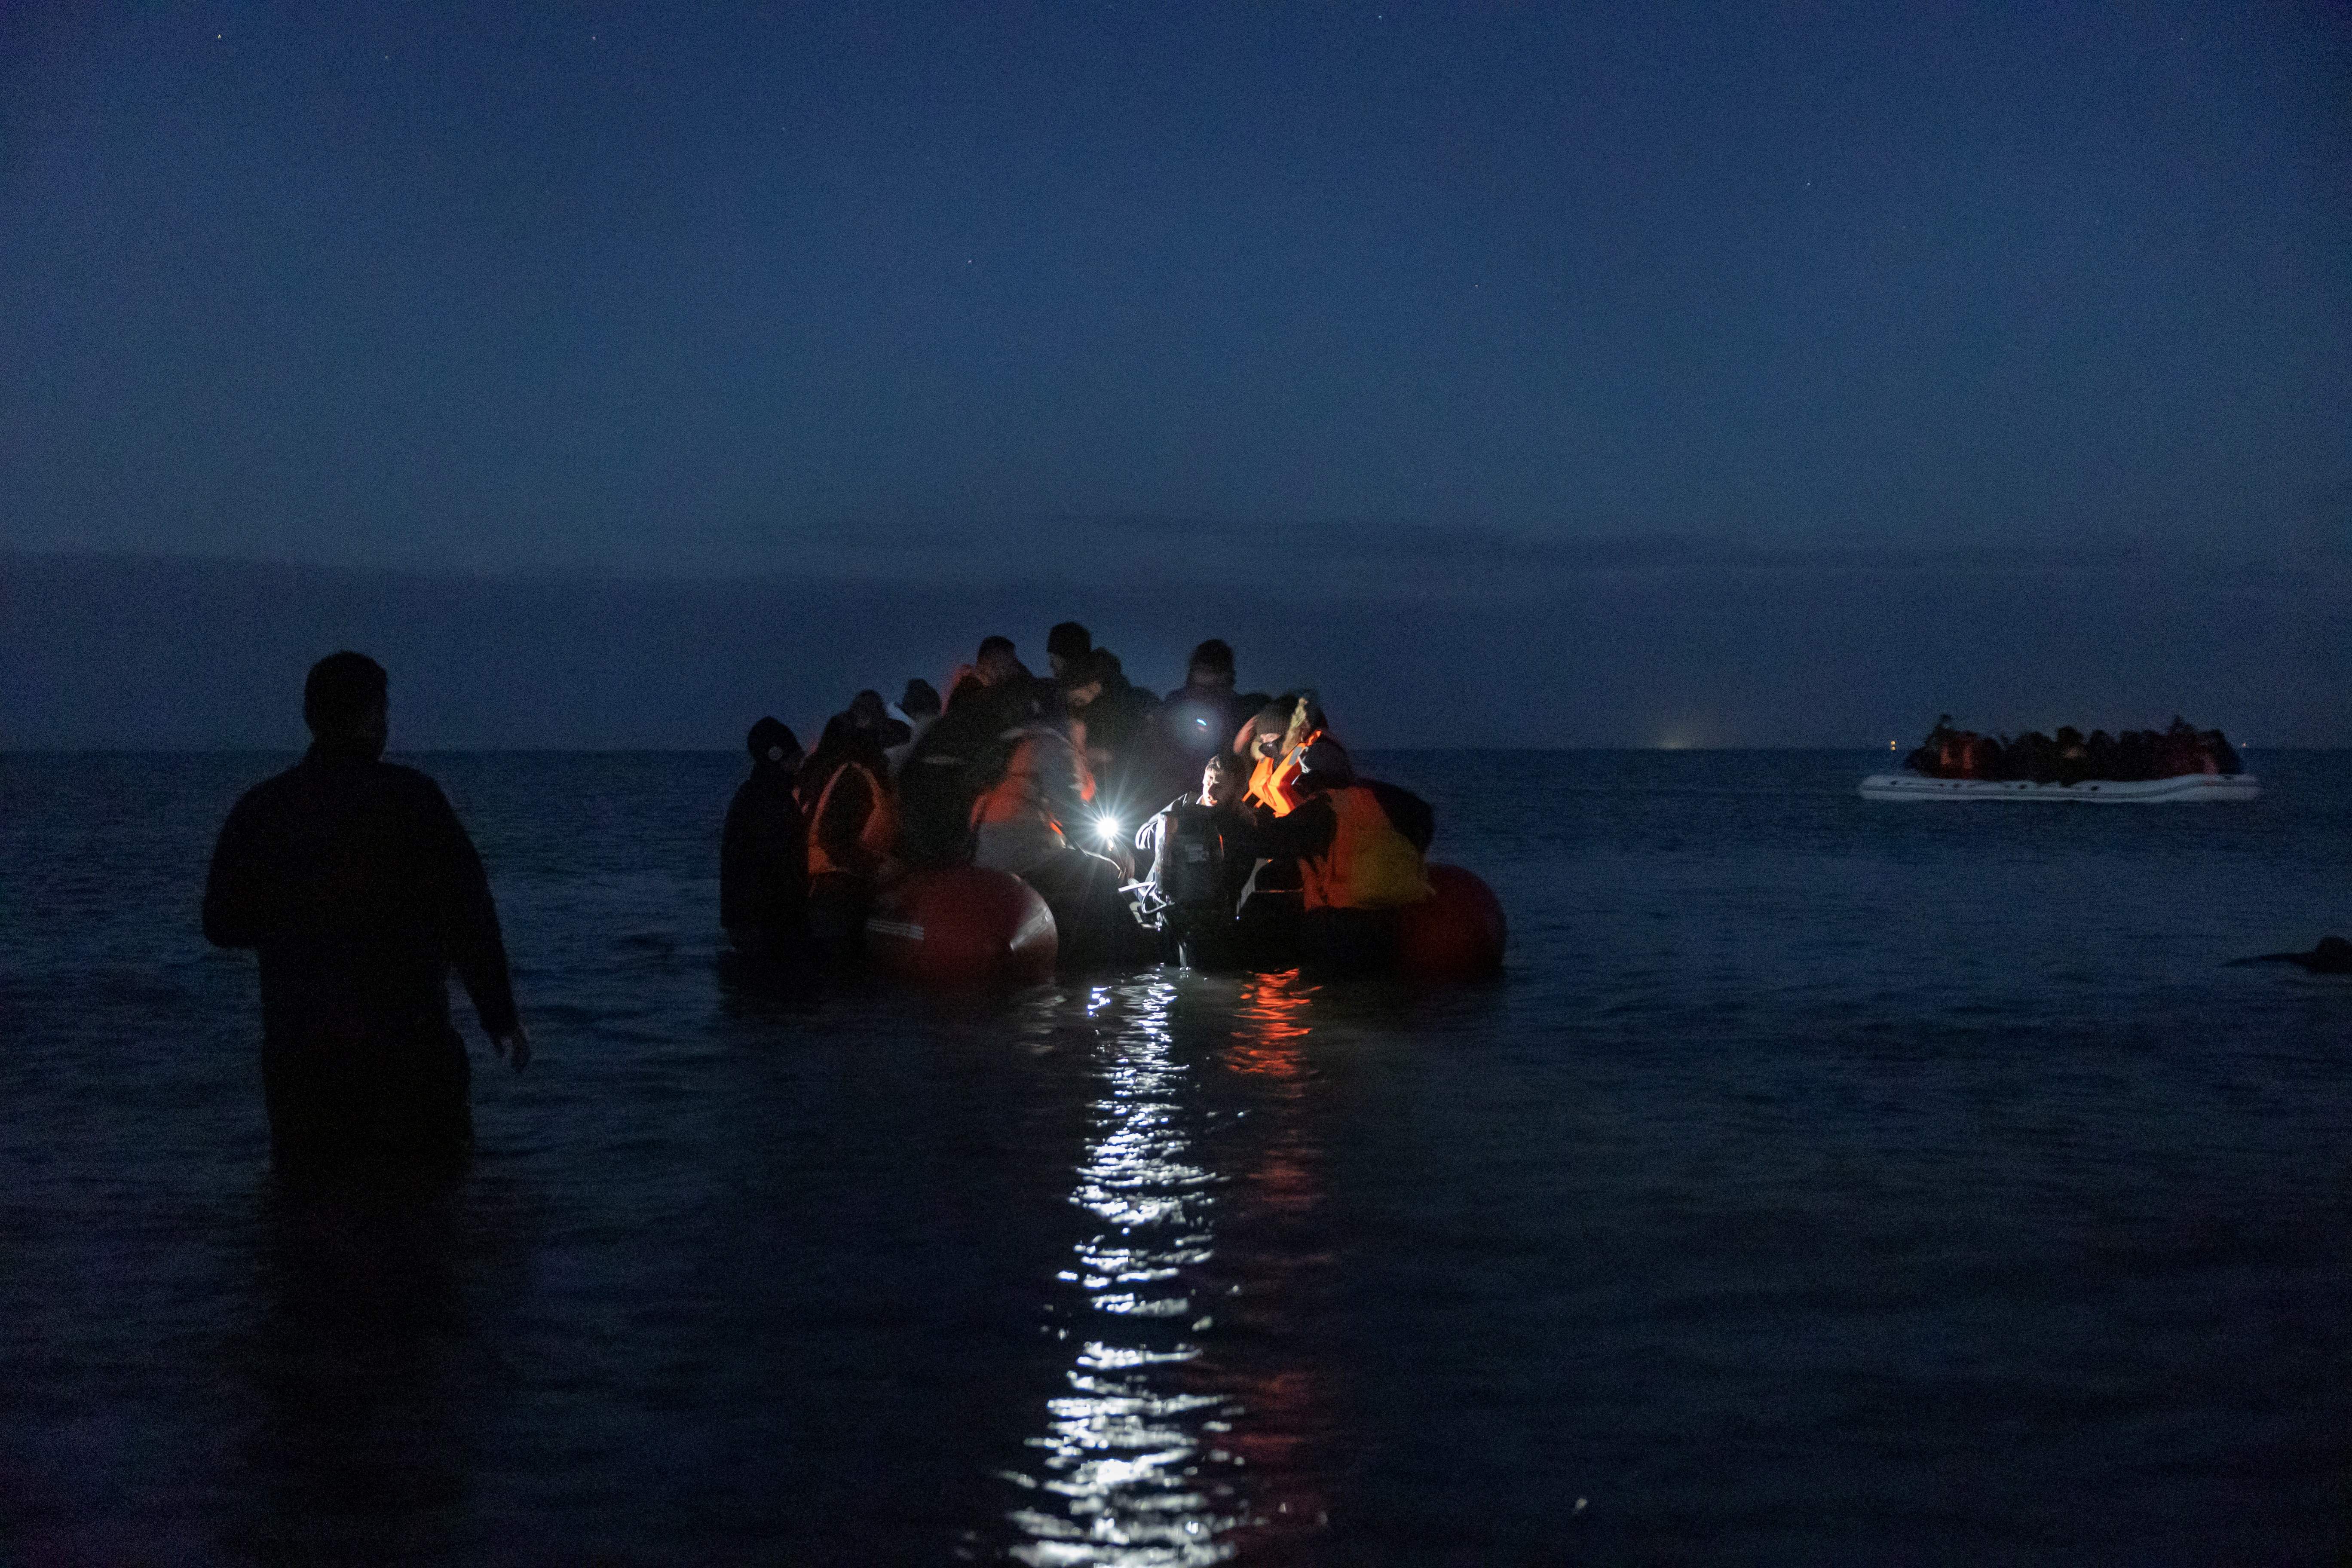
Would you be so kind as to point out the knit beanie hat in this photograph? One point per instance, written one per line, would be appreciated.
(771, 741)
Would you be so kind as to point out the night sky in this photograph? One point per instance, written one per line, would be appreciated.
(1429, 298)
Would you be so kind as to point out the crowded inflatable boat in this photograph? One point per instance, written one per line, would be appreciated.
(2179, 764)
(1026, 824)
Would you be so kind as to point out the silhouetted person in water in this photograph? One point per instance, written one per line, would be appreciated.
(2332, 956)
(764, 850)
(358, 887)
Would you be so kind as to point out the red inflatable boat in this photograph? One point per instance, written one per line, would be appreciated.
(967, 928)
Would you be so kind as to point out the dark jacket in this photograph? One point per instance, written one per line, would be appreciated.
(764, 855)
(358, 889)
(1199, 722)
(1125, 749)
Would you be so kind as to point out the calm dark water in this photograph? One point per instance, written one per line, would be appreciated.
(1826, 1182)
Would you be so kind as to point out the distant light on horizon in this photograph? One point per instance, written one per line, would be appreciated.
(1689, 732)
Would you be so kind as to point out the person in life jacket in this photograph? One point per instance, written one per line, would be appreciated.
(1276, 741)
(852, 830)
(2185, 749)
(962, 753)
(1028, 813)
(1033, 820)
(764, 850)
(1272, 746)
(1934, 757)
(1360, 845)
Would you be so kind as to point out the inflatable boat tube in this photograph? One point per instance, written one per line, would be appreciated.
(2181, 789)
(961, 927)
(1457, 935)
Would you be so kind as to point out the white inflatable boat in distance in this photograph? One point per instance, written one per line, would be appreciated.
(2181, 789)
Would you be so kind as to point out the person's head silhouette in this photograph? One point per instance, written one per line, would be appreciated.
(344, 703)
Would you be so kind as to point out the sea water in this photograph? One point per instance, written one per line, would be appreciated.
(1823, 1181)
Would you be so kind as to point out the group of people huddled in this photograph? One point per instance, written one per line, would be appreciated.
(1204, 825)
(2068, 757)
(360, 890)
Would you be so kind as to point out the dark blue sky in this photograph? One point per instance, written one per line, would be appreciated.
(701, 289)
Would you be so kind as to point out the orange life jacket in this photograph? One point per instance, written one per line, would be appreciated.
(1274, 782)
(879, 834)
(1369, 865)
(1022, 795)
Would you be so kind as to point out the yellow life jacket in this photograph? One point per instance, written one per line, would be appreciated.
(1369, 865)
(879, 834)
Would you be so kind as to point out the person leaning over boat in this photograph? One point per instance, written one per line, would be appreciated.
(1360, 845)
(1019, 821)
(357, 886)
(1116, 723)
(1021, 824)
(961, 754)
(852, 830)
(764, 850)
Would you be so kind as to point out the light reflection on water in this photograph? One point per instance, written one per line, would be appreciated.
(1786, 1200)
(1144, 1459)
(1119, 1479)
